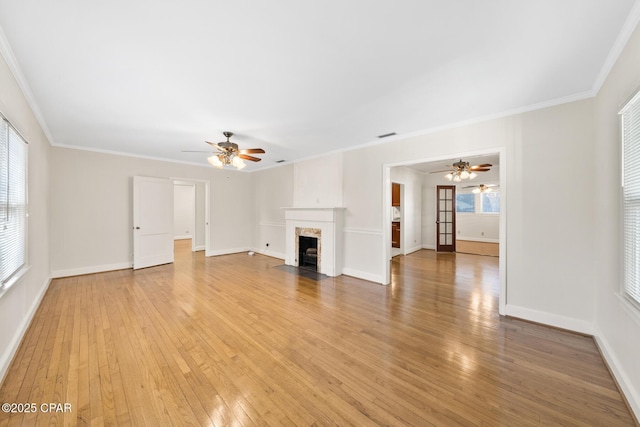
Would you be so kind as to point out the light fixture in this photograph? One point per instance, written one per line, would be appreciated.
(461, 171)
(220, 160)
(229, 154)
(483, 188)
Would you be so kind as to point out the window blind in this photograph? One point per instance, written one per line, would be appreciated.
(13, 202)
(631, 196)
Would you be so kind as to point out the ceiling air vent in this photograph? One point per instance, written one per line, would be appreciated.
(280, 161)
(386, 135)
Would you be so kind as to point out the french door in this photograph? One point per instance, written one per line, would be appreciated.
(446, 218)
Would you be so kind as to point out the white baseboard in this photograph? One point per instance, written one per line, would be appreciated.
(10, 352)
(363, 275)
(185, 237)
(90, 270)
(218, 252)
(272, 254)
(477, 239)
(556, 320)
(412, 250)
(631, 393)
(431, 247)
(201, 248)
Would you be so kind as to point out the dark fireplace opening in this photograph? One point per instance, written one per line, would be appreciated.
(308, 252)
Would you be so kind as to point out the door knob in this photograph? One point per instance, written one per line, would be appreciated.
(137, 228)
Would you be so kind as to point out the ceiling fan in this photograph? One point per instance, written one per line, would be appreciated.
(481, 188)
(462, 170)
(229, 154)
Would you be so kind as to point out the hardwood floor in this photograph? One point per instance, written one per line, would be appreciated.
(230, 340)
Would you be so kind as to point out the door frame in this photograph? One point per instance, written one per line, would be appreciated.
(400, 250)
(207, 209)
(386, 212)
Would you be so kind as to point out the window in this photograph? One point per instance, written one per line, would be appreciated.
(465, 202)
(490, 202)
(13, 202)
(631, 197)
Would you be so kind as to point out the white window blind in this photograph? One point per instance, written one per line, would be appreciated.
(13, 202)
(631, 196)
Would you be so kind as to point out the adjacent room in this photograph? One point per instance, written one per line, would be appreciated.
(361, 213)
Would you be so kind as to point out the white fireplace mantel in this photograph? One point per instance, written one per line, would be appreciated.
(329, 220)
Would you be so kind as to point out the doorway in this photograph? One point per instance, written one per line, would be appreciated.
(396, 219)
(446, 218)
(429, 230)
(191, 212)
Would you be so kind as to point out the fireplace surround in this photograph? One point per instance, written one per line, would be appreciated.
(326, 225)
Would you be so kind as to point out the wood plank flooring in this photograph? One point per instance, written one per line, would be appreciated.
(233, 341)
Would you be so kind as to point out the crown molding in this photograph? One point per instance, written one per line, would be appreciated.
(621, 41)
(14, 67)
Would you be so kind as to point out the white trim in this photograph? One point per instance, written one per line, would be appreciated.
(399, 137)
(200, 248)
(376, 278)
(371, 232)
(90, 270)
(14, 67)
(271, 224)
(556, 320)
(477, 239)
(621, 41)
(219, 252)
(141, 156)
(11, 350)
(272, 254)
(412, 250)
(15, 279)
(185, 237)
(430, 247)
(630, 392)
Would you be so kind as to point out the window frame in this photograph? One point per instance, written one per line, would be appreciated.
(482, 211)
(12, 134)
(475, 204)
(630, 203)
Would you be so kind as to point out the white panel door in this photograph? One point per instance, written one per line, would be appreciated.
(152, 221)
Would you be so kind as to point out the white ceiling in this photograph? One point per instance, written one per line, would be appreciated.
(298, 79)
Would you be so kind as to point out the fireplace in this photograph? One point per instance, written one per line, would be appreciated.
(308, 250)
(322, 225)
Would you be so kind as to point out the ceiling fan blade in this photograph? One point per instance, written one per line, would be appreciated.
(484, 165)
(481, 170)
(250, 158)
(252, 151)
(440, 171)
(216, 146)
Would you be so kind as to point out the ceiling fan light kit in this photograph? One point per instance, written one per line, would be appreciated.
(462, 170)
(481, 188)
(229, 154)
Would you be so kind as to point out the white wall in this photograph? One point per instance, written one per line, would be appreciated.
(546, 282)
(92, 208)
(273, 191)
(411, 224)
(318, 182)
(18, 304)
(617, 324)
(184, 197)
